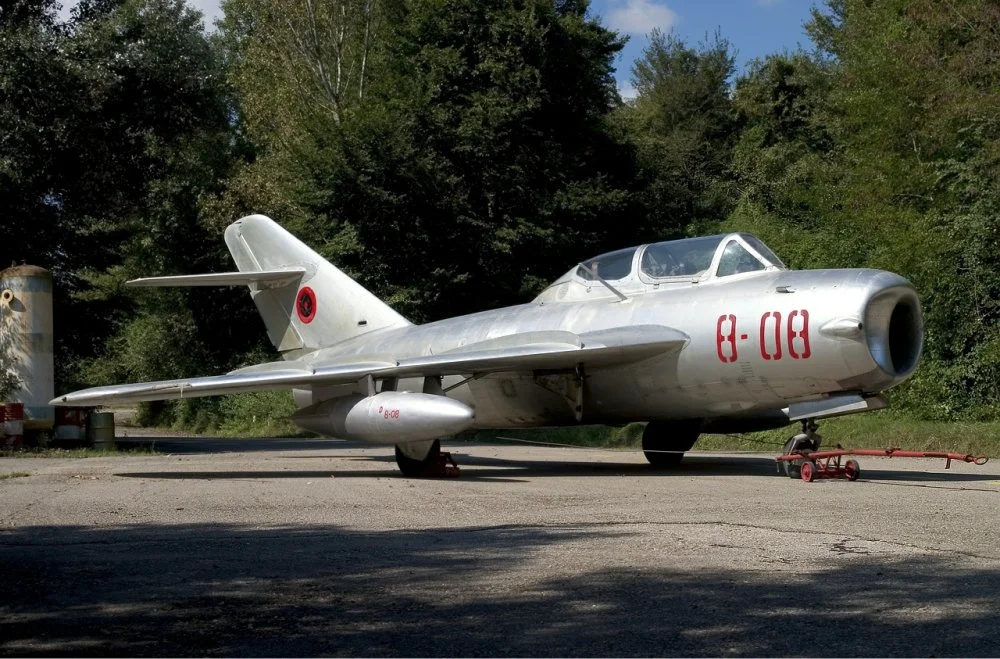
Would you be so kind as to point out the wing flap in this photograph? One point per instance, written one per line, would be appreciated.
(261, 278)
(594, 350)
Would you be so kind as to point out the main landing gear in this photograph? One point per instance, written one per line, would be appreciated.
(665, 442)
(425, 459)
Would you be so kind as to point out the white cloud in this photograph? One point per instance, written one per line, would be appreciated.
(640, 17)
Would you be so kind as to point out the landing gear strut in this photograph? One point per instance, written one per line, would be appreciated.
(435, 463)
(665, 442)
(808, 440)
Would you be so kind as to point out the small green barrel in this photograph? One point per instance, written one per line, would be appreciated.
(101, 430)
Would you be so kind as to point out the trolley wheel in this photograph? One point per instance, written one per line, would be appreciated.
(852, 469)
(808, 470)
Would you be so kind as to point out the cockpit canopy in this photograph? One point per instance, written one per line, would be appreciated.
(680, 262)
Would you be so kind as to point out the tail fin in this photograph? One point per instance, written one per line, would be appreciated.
(325, 308)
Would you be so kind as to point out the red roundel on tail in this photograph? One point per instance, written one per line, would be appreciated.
(305, 305)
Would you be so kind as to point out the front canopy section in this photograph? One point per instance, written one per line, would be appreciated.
(670, 264)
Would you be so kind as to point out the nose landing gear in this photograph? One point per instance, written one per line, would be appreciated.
(807, 441)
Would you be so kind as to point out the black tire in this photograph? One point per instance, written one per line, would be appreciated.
(675, 436)
(413, 468)
(792, 469)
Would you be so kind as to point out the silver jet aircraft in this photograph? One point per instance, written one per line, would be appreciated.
(710, 334)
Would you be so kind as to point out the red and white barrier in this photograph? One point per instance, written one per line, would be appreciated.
(13, 425)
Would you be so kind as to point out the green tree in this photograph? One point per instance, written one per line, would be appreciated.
(116, 127)
(161, 145)
(880, 151)
(38, 94)
(784, 162)
(684, 126)
(482, 141)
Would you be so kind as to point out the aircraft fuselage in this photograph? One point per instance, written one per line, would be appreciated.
(757, 342)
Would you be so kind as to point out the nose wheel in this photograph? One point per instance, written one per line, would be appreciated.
(807, 441)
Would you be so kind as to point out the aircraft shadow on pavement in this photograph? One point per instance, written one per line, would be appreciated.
(304, 590)
(499, 469)
(482, 468)
(207, 445)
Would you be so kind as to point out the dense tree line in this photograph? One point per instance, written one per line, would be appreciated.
(456, 155)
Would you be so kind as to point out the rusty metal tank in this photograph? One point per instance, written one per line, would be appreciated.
(26, 341)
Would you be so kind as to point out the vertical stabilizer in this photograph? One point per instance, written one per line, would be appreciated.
(325, 307)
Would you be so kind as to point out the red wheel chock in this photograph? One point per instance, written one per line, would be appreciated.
(443, 465)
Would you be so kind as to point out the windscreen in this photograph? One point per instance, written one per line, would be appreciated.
(736, 259)
(762, 249)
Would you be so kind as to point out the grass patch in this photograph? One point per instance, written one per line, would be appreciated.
(53, 452)
(873, 430)
(260, 414)
(878, 430)
(14, 474)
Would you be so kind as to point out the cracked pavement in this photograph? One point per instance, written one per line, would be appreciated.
(317, 547)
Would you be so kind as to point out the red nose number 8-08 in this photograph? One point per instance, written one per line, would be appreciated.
(771, 328)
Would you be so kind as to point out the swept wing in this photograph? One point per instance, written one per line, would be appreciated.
(535, 351)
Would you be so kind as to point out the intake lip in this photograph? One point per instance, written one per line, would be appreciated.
(894, 330)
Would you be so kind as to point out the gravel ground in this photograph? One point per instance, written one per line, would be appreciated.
(312, 547)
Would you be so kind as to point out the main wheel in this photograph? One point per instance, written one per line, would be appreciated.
(665, 442)
(413, 467)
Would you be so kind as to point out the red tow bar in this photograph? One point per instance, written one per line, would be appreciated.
(810, 465)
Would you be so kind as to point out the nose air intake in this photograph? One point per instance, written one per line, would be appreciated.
(894, 330)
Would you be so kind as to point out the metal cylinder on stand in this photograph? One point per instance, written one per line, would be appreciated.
(26, 342)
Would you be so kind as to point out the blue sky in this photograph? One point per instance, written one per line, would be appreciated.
(754, 28)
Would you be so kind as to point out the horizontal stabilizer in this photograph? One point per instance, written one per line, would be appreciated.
(559, 351)
(263, 279)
